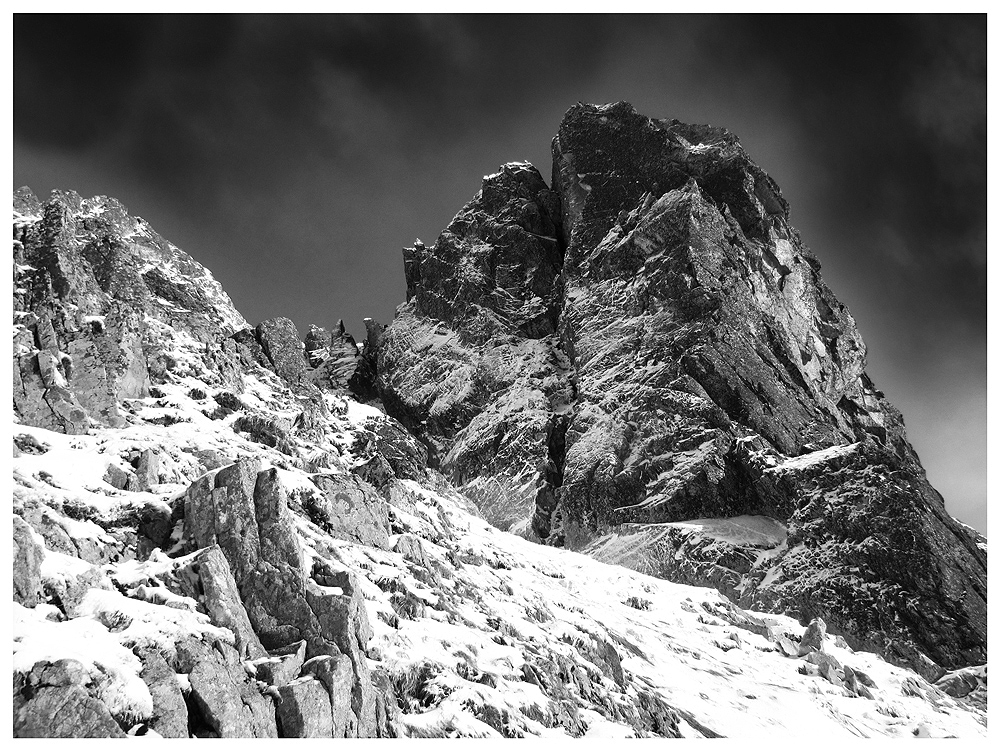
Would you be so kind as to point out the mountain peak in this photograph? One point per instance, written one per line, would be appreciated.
(697, 354)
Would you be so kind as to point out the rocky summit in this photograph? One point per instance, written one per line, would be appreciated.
(614, 469)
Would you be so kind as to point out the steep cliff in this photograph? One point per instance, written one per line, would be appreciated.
(471, 363)
(701, 372)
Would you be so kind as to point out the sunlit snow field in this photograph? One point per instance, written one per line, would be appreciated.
(494, 599)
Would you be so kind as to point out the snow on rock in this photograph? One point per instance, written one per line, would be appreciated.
(815, 458)
(143, 624)
(758, 531)
(112, 667)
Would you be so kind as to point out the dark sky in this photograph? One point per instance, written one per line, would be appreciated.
(295, 155)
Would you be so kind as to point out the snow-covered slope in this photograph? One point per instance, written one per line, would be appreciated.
(480, 633)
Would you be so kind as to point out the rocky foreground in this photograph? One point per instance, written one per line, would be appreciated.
(215, 537)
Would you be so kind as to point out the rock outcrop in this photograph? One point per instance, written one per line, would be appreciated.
(333, 354)
(470, 364)
(245, 511)
(684, 361)
(95, 291)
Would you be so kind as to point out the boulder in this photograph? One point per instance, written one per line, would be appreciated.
(170, 715)
(56, 712)
(265, 429)
(117, 477)
(829, 673)
(822, 660)
(28, 443)
(786, 646)
(52, 701)
(228, 704)
(858, 682)
(349, 508)
(154, 525)
(28, 556)
(304, 709)
(412, 549)
(962, 682)
(147, 470)
(814, 638)
(283, 348)
(282, 666)
(336, 673)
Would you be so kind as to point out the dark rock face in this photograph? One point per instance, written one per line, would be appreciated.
(730, 341)
(362, 383)
(470, 363)
(495, 269)
(333, 354)
(280, 342)
(28, 556)
(695, 316)
(700, 369)
(890, 550)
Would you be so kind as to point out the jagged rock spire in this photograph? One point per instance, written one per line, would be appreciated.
(702, 369)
